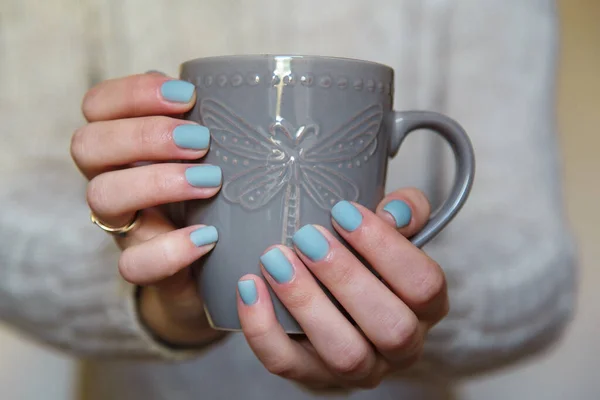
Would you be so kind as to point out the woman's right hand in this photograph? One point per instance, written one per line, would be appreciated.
(133, 120)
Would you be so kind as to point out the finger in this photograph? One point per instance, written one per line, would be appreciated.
(153, 228)
(388, 323)
(341, 346)
(411, 274)
(102, 146)
(136, 96)
(166, 254)
(406, 209)
(272, 346)
(157, 256)
(115, 196)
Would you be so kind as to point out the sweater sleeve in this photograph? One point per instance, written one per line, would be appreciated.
(509, 255)
(59, 281)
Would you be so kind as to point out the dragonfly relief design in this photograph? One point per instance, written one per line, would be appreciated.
(296, 161)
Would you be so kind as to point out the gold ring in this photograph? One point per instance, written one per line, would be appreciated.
(118, 231)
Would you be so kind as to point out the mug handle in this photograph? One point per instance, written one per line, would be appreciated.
(405, 122)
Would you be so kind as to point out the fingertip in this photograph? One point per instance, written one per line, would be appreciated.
(400, 212)
(88, 104)
(204, 236)
(138, 95)
(313, 241)
(178, 91)
(248, 290)
(204, 176)
(287, 252)
(407, 210)
(155, 72)
(346, 215)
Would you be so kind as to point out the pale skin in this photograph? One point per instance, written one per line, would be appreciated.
(129, 121)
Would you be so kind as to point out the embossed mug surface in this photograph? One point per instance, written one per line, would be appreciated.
(294, 135)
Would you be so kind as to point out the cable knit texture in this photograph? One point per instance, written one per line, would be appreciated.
(508, 256)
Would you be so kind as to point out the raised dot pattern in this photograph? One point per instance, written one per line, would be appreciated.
(307, 80)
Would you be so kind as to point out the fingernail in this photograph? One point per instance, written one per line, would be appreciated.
(177, 91)
(400, 211)
(204, 176)
(154, 71)
(205, 235)
(190, 136)
(346, 215)
(277, 265)
(311, 242)
(248, 293)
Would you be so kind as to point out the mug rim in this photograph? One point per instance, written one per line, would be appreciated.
(303, 57)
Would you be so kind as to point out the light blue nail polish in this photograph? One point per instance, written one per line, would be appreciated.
(400, 211)
(205, 235)
(311, 242)
(346, 215)
(195, 137)
(248, 291)
(177, 91)
(277, 264)
(204, 176)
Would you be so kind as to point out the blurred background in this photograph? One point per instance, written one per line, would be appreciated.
(570, 368)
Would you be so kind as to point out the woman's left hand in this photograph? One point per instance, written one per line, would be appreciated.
(392, 318)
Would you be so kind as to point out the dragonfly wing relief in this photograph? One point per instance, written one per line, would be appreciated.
(354, 139)
(325, 186)
(254, 188)
(347, 147)
(232, 133)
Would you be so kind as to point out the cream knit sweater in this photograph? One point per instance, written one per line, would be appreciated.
(508, 256)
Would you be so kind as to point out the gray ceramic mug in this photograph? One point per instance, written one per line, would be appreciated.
(294, 135)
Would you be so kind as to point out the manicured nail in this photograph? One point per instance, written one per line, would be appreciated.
(205, 235)
(400, 211)
(157, 72)
(188, 136)
(204, 176)
(346, 215)
(311, 242)
(277, 265)
(177, 91)
(248, 293)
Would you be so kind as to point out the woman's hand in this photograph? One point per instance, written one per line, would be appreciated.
(131, 122)
(392, 318)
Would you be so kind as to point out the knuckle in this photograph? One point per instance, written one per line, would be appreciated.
(341, 274)
(353, 361)
(376, 241)
(257, 333)
(281, 366)
(126, 267)
(401, 335)
(298, 299)
(96, 195)
(88, 102)
(169, 254)
(430, 285)
(151, 133)
(162, 182)
(77, 147)
(139, 83)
